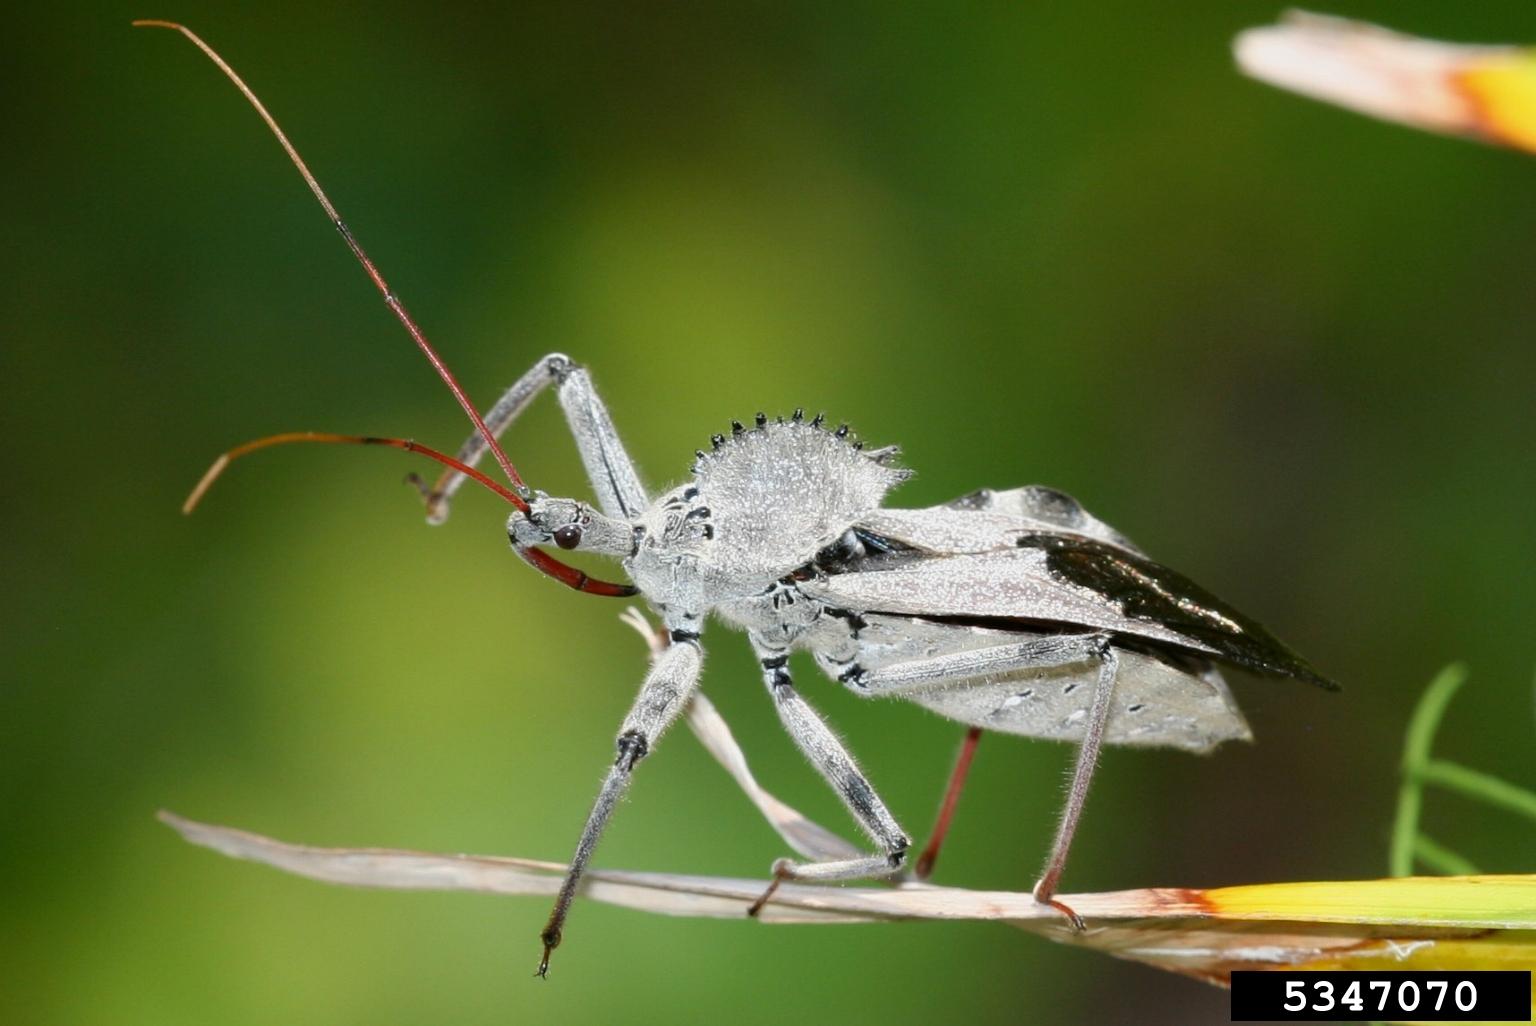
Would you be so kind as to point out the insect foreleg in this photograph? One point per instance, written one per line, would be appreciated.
(1082, 777)
(833, 762)
(800, 832)
(666, 690)
(611, 472)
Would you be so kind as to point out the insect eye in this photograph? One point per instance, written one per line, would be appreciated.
(568, 536)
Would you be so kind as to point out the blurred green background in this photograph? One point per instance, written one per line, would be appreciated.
(1286, 349)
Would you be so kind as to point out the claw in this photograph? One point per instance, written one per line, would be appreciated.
(550, 944)
(780, 874)
(1073, 919)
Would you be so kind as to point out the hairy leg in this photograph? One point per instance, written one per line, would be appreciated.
(611, 472)
(827, 754)
(672, 680)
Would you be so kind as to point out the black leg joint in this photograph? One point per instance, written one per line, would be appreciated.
(854, 675)
(632, 748)
(856, 622)
(780, 682)
(898, 854)
(680, 636)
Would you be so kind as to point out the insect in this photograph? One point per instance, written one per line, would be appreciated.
(1013, 611)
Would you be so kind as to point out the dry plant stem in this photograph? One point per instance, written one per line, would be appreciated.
(1173, 929)
(668, 893)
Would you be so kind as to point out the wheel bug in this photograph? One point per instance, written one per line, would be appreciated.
(1013, 611)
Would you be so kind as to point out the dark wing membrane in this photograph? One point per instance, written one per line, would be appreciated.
(1150, 592)
(1012, 584)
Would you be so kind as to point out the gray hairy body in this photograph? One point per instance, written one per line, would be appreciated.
(1015, 611)
(770, 537)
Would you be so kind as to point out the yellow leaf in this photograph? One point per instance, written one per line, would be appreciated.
(1472, 902)
(1503, 91)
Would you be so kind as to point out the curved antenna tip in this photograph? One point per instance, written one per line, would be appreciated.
(206, 482)
(391, 300)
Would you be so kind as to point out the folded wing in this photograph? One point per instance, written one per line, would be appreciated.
(1035, 557)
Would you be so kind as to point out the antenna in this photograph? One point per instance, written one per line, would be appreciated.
(219, 465)
(391, 300)
(518, 495)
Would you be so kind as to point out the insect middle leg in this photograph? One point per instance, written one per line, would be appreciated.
(832, 761)
(611, 472)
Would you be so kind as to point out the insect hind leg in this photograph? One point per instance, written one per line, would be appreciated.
(1082, 779)
(1043, 652)
(1037, 653)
